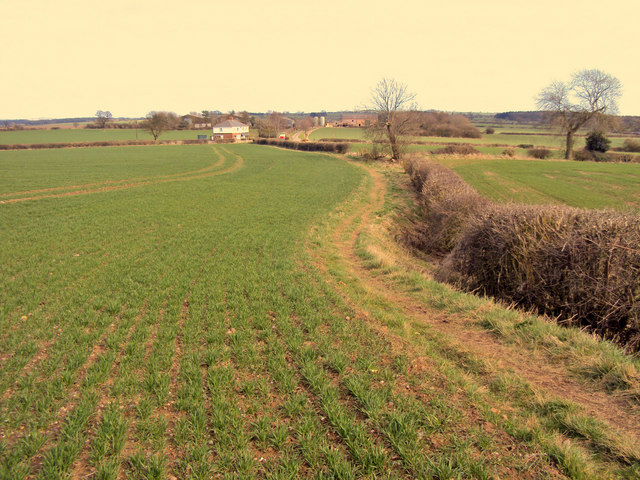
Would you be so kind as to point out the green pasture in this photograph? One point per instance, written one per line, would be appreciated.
(91, 135)
(335, 132)
(578, 184)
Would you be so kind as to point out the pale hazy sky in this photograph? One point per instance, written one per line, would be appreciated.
(74, 57)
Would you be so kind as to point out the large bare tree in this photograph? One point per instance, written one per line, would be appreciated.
(272, 125)
(393, 103)
(305, 124)
(102, 118)
(158, 122)
(589, 98)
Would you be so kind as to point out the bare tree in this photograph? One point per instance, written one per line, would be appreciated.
(305, 124)
(393, 103)
(589, 98)
(158, 122)
(102, 118)
(245, 117)
(271, 126)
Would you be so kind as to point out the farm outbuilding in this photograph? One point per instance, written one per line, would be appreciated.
(358, 119)
(230, 130)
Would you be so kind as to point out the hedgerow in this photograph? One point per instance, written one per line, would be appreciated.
(305, 146)
(577, 265)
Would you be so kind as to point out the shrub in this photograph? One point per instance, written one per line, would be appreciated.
(489, 131)
(525, 146)
(509, 152)
(457, 150)
(631, 146)
(581, 266)
(583, 156)
(446, 204)
(376, 152)
(441, 124)
(592, 156)
(623, 157)
(597, 142)
(540, 153)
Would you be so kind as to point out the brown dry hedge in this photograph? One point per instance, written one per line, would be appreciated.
(446, 203)
(458, 149)
(580, 266)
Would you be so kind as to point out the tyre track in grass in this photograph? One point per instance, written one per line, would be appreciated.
(126, 186)
(219, 162)
(460, 332)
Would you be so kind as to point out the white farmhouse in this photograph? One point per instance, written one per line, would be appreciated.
(230, 130)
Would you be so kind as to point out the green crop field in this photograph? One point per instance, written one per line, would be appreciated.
(184, 312)
(578, 184)
(72, 135)
(334, 132)
(163, 310)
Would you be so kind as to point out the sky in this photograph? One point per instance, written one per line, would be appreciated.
(70, 58)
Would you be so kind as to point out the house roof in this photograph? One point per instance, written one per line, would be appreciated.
(230, 123)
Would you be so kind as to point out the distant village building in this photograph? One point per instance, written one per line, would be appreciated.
(195, 121)
(358, 119)
(230, 130)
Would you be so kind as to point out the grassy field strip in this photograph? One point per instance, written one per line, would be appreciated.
(612, 445)
(442, 462)
(218, 163)
(380, 394)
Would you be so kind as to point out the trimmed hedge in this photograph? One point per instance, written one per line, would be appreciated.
(458, 149)
(579, 266)
(342, 140)
(446, 204)
(590, 156)
(305, 146)
(539, 153)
